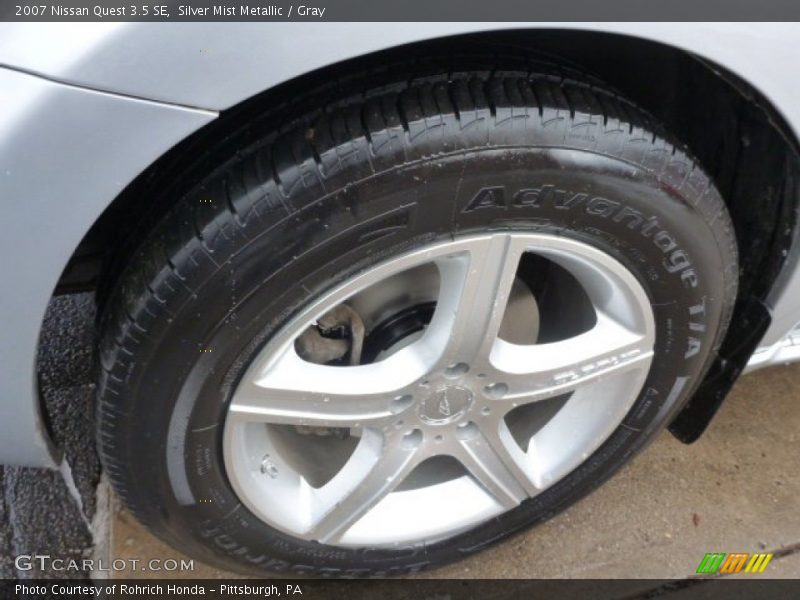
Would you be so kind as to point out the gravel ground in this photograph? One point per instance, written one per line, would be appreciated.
(50, 512)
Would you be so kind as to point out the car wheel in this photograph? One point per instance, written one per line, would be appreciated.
(422, 320)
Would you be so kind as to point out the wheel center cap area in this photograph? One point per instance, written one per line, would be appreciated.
(445, 405)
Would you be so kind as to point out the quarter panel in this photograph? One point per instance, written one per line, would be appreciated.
(65, 153)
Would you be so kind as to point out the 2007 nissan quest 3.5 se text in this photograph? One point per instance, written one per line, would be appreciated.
(385, 294)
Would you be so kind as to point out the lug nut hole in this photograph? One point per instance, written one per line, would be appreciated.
(412, 439)
(467, 431)
(456, 370)
(401, 403)
(496, 390)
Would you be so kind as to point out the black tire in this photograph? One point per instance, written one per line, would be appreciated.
(290, 215)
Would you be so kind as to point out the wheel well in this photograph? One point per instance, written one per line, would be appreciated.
(740, 140)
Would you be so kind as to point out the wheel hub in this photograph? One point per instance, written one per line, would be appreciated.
(445, 405)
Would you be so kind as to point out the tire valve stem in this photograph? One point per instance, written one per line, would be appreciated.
(268, 467)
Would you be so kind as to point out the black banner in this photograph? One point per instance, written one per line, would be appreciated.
(391, 10)
(400, 589)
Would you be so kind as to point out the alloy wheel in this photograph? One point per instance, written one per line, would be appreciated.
(423, 440)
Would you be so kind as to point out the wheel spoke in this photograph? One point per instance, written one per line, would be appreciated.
(474, 290)
(301, 407)
(524, 374)
(497, 464)
(294, 391)
(378, 465)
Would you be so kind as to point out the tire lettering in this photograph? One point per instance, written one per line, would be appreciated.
(676, 260)
(697, 316)
(490, 197)
(601, 207)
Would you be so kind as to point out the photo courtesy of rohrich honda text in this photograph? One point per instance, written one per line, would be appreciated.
(366, 290)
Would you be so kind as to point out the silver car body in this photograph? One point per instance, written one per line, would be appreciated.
(86, 107)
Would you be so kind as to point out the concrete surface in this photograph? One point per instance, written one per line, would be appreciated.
(735, 490)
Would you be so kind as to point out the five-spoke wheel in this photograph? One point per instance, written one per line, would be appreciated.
(446, 392)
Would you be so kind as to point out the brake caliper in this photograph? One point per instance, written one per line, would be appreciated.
(336, 336)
